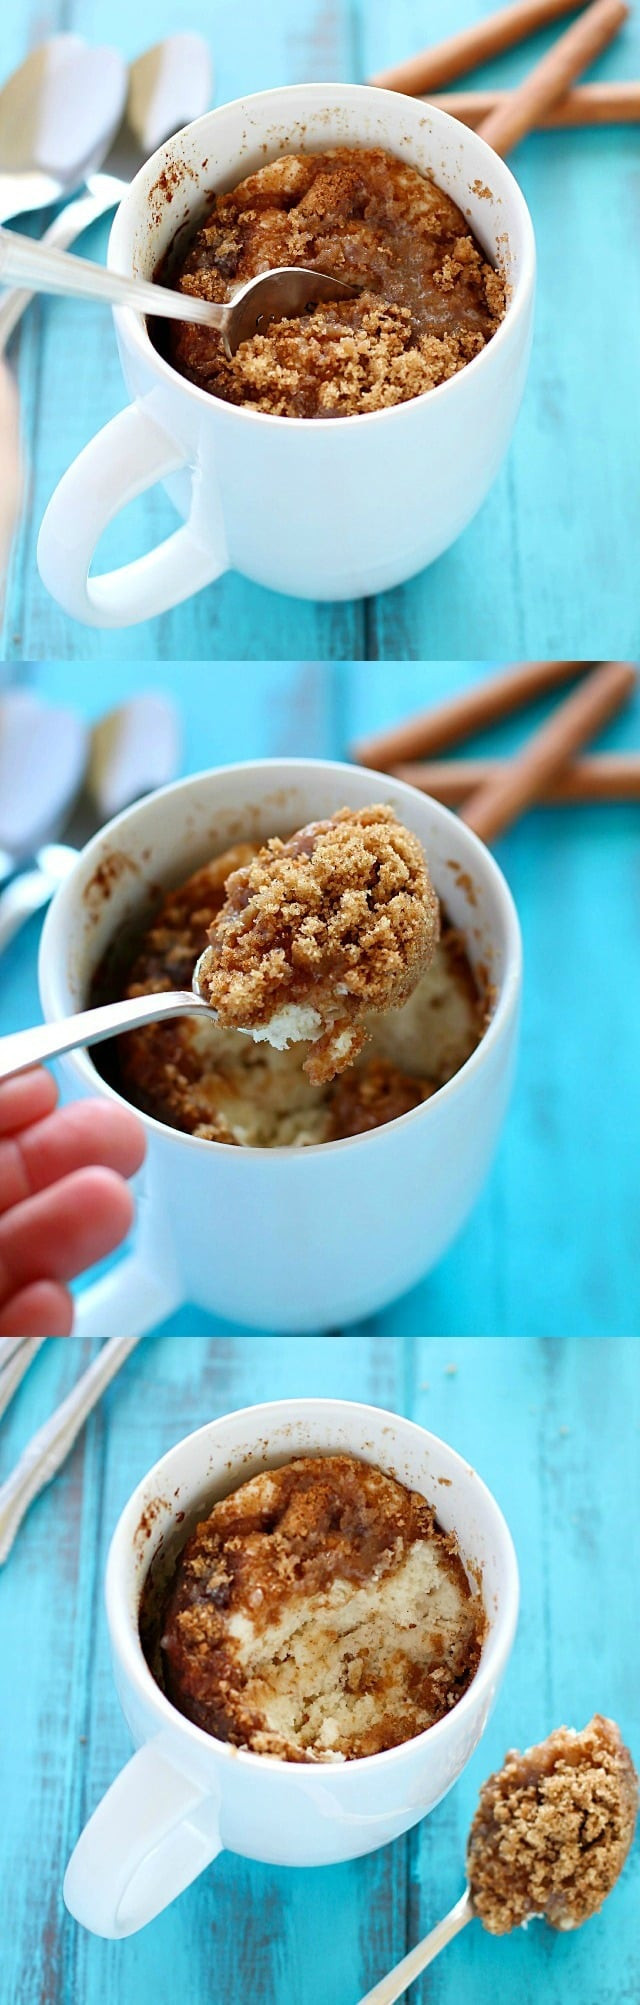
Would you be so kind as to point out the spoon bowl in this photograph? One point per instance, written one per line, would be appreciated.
(275, 295)
(58, 114)
(282, 294)
(166, 87)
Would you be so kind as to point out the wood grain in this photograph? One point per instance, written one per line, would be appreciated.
(522, 1412)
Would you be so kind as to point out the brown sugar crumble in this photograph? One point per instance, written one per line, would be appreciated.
(430, 300)
(552, 1829)
(319, 932)
(221, 1086)
(320, 1613)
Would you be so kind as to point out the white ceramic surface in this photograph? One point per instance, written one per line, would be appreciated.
(286, 1239)
(185, 1796)
(327, 508)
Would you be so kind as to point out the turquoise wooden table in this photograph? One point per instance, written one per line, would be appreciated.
(529, 1416)
(552, 1245)
(549, 565)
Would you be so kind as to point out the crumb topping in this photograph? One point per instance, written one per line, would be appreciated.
(320, 1612)
(552, 1829)
(429, 304)
(222, 1087)
(378, 1093)
(318, 932)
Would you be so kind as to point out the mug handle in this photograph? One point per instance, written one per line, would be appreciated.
(129, 455)
(152, 1834)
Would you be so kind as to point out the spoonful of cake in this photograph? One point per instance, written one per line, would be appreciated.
(549, 1839)
(316, 934)
(274, 295)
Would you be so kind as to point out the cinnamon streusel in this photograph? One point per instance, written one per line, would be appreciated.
(430, 299)
(222, 1087)
(319, 932)
(320, 1613)
(553, 1828)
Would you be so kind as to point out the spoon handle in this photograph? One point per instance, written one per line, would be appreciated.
(47, 1450)
(25, 895)
(24, 1048)
(46, 269)
(398, 1980)
(69, 223)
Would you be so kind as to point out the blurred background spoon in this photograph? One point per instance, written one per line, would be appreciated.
(166, 87)
(58, 115)
(63, 780)
(43, 759)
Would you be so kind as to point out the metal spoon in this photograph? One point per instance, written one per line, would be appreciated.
(167, 86)
(273, 294)
(131, 750)
(44, 749)
(32, 889)
(23, 1048)
(48, 1449)
(58, 114)
(397, 1981)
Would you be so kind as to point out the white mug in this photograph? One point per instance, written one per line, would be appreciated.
(325, 508)
(286, 1239)
(185, 1796)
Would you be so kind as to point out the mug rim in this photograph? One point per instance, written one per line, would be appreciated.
(133, 326)
(506, 1004)
(130, 1655)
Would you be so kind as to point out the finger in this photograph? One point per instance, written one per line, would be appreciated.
(86, 1132)
(42, 1310)
(26, 1099)
(63, 1230)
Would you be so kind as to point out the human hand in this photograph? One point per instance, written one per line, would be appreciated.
(63, 1199)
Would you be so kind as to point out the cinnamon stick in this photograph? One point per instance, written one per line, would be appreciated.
(460, 716)
(494, 806)
(431, 68)
(549, 79)
(586, 105)
(605, 776)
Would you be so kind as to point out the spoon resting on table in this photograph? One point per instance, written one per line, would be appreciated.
(549, 1839)
(281, 294)
(58, 114)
